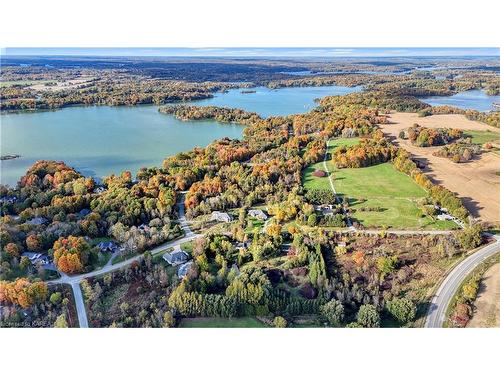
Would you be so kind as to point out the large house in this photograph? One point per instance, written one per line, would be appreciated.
(221, 216)
(258, 214)
(107, 246)
(37, 221)
(176, 257)
(184, 269)
(36, 258)
(8, 199)
(325, 209)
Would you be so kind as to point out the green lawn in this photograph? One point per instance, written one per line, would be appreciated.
(187, 247)
(122, 257)
(221, 323)
(482, 137)
(311, 182)
(382, 187)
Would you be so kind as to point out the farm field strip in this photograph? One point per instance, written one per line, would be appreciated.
(476, 182)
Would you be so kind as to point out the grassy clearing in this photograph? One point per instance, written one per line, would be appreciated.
(123, 256)
(221, 323)
(187, 247)
(311, 182)
(391, 192)
(482, 137)
(102, 259)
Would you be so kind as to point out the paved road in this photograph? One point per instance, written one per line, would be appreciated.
(80, 305)
(74, 281)
(436, 314)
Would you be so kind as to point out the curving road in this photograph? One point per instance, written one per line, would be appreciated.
(74, 281)
(436, 314)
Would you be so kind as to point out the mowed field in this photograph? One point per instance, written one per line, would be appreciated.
(391, 192)
(476, 182)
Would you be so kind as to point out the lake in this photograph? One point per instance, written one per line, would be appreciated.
(101, 140)
(472, 99)
(281, 102)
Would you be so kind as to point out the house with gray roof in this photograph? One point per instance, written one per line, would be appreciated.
(221, 216)
(36, 258)
(37, 221)
(258, 214)
(106, 246)
(176, 257)
(184, 269)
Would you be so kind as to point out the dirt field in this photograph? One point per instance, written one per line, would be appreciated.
(487, 304)
(70, 84)
(475, 182)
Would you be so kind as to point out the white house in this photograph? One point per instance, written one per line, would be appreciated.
(221, 216)
(445, 217)
(258, 214)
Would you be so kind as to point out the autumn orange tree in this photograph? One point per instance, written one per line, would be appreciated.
(22, 292)
(71, 254)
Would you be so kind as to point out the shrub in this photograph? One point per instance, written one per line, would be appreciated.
(280, 322)
(368, 316)
(332, 312)
(403, 309)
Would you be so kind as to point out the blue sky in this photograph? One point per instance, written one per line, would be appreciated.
(255, 52)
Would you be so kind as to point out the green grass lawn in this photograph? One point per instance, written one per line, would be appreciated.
(221, 323)
(384, 187)
(311, 182)
(122, 257)
(187, 247)
(381, 186)
(102, 259)
(482, 137)
(256, 224)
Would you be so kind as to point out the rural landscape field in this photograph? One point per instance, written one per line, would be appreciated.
(204, 191)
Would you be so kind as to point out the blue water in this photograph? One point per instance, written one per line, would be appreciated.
(473, 99)
(281, 102)
(98, 141)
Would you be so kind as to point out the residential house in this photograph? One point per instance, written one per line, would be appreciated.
(8, 199)
(325, 209)
(37, 221)
(258, 214)
(243, 245)
(221, 216)
(99, 190)
(36, 258)
(107, 246)
(176, 257)
(445, 217)
(143, 227)
(184, 269)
